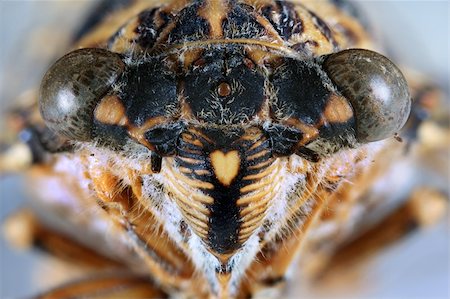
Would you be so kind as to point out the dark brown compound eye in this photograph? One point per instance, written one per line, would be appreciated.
(72, 88)
(376, 89)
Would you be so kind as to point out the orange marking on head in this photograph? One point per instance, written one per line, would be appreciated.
(253, 134)
(138, 132)
(256, 204)
(260, 55)
(338, 110)
(250, 44)
(200, 134)
(121, 45)
(226, 166)
(214, 11)
(252, 216)
(191, 160)
(262, 174)
(189, 139)
(260, 165)
(111, 111)
(250, 224)
(256, 186)
(312, 32)
(193, 183)
(191, 56)
(224, 280)
(270, 30)
(108, 26)
(184, 184)
(201, 172)
(257, 155)
(309, 132)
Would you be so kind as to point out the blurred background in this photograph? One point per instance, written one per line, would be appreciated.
(416, 34)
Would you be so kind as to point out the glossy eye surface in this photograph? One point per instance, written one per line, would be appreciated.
(376, 89)
(73, 86)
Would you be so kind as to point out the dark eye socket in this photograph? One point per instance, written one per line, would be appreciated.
(164, 138)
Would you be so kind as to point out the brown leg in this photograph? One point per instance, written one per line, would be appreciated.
(103, 276)
(424, 208)
(23, 230)
(114, 285)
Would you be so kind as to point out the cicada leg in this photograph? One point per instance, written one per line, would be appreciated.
(112, 285)
(424, 208)
(104, 277)
(23, 230)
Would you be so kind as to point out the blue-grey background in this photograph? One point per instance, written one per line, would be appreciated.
(32, 33)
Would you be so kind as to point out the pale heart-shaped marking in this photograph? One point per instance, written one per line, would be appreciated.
(225, 165)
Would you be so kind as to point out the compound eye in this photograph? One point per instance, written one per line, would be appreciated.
(376, 89)
(73, 86)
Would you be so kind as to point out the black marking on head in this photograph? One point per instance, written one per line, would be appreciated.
(224, 213)
(324, 29)
(283, 139)
(287, 23)
(308, 154)
(247, 88)
(240, 23)
(111, 136)
(164, 138)
(224, 221)
(148, 28)
(189, 25)
(302, 93)
(155, 162)
(149, 90)
(331, 130)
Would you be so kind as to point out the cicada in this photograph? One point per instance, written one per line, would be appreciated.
(218, 149)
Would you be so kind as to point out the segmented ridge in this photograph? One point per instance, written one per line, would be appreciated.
(204, 200)
(260, 185)
(186, 181)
